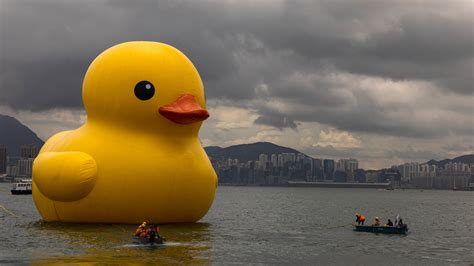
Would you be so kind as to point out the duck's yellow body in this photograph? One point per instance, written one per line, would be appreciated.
(138, 157)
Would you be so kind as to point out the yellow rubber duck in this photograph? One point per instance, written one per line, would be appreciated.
(138, 156)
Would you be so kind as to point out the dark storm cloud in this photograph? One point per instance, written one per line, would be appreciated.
(274, 118)
(47, 46)
(291, 47)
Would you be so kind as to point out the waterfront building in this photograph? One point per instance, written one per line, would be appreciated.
(409, 171)
(427, 170)
(360, 176)
(3, 159)
(262, 161)
(339, 165)
(25, 167)
(300, 157)
(292, 157)
(12, 171)
(307, 168)
(347, 165)
(328, 166)
(451, 175)
(28, 151)
(318, 169)
(351, 165)
(280, 160)
(274, 159)
(372, 176)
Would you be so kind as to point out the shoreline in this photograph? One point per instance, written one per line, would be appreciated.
(384, 186)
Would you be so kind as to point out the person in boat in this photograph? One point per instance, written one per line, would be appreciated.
(144, 233)
(376, 222)
(152, 234)
(400, 223)
(389, 223)
(360, 219)
(140, 229)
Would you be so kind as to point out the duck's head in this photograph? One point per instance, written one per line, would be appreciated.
(145, 85)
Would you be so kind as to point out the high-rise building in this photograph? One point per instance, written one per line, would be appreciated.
(292, 157)
(351, 165)
(340, 165)
(262, 161)
(29, 151)
(317, 163)
(318, 168)
(12, 170)
(409, 171)
(328, 168)
(280, 160)
(347, 165)
(300, 157)
(25, 167)
(274, 160)
(3, 159)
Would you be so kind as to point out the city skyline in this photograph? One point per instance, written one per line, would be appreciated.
(18, 166)
(279, 169)
(385, 83)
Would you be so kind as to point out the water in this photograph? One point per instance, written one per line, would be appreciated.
(260, 225)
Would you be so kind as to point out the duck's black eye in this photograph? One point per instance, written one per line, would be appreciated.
(144, 90)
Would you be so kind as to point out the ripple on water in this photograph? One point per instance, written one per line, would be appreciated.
(259, 225)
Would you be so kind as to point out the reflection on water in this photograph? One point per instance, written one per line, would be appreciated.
(259, 225)
(114, 244)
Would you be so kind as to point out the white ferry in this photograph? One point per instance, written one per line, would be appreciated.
(22, 187)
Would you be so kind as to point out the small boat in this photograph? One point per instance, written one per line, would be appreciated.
(382, 229)
(149, 240)
(21, 188)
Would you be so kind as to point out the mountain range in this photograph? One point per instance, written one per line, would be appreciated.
(14, 134)
(247, 152)
(469, 158)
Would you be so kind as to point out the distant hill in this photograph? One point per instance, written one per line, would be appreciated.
(247, 152)
(212, 149)
(14, 134)
(461, 159)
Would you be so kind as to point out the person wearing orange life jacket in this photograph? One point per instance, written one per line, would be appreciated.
(140, 230)
(144, 233)
(359, 219)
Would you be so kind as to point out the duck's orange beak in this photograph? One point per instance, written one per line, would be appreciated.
(185, 110)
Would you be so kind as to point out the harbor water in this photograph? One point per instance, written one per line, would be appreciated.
(253, 225)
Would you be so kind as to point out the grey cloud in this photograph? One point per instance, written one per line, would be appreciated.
(47, 45)
(275, 119)
(331, 152)
(410, 153)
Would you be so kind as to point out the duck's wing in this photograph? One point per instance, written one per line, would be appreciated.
(64, 176)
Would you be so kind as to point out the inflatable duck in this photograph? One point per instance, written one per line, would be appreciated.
(138, 156)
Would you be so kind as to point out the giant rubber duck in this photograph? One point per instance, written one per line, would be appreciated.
(137, 157)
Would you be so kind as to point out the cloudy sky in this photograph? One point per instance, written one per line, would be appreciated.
(381, 81)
